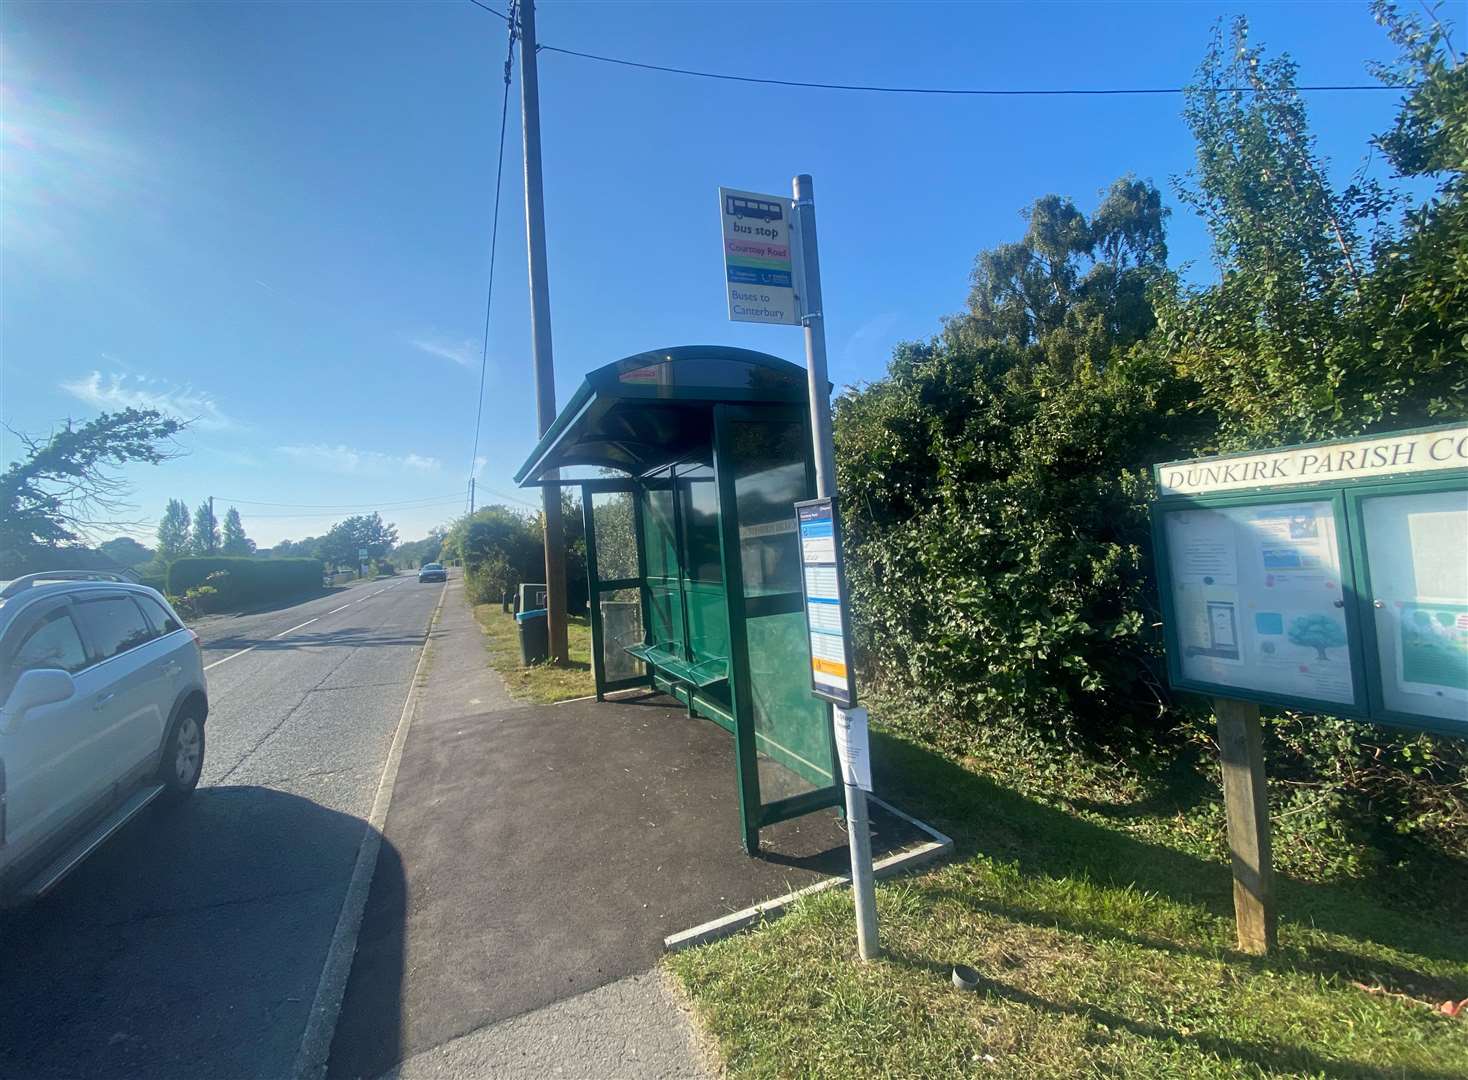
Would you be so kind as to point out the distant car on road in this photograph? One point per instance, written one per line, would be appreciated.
(102, 710)
(433, 572)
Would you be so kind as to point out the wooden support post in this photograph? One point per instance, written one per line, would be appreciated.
(1246, 803)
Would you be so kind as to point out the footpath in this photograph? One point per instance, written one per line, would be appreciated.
(485, 950)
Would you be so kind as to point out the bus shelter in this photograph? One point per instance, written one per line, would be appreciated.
(692, 559)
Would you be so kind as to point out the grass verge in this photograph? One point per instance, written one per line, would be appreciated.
(542, 683)
(1101, 953)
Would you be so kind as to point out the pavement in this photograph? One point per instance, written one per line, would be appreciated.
(540, 856)
(191, 945)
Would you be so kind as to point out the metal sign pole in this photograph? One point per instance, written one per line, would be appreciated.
(857, 827)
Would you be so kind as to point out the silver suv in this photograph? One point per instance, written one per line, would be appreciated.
(102, 710)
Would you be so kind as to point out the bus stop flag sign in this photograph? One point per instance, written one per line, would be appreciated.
(758, 266)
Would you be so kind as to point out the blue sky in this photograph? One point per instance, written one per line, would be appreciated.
(274, 218)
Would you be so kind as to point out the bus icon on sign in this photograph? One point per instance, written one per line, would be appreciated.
(741, 207)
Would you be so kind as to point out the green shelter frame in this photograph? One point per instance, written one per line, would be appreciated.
(693, 561)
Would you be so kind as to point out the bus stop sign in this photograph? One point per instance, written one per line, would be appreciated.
(757, 257)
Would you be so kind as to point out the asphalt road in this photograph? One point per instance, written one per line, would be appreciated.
(192, 944)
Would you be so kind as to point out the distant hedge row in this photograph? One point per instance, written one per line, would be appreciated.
(248, 579)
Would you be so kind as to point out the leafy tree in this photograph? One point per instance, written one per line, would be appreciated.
(1318, 632)
(995, 490)
(1288, 345)
(418, 552)
(1417, 298)
(125, 551)
(235, 541)
(67, 485)
(173, 531)
(309, 548)
(498, 548)
(206, 530)
(341, 544)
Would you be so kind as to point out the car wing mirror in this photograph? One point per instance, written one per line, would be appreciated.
(37, 687)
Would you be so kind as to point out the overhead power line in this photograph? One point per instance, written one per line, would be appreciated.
(940, 91)
(952, 91)
(494, 239)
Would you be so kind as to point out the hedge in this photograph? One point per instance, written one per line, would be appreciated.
(248, 579)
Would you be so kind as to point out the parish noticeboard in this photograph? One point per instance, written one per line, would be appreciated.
(1331, 577)
(823, 581)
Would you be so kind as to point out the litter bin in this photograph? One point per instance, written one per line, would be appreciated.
(534, 637)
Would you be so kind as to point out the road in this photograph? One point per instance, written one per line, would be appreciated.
(191, 945)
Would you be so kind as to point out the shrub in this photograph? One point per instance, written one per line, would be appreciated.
(237, 580)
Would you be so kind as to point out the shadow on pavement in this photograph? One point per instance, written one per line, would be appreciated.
(190, 946)
(548, 850)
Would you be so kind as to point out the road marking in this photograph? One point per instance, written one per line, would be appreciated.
(293, 629)
(334, 610)
(252, 648)
(327, 1004)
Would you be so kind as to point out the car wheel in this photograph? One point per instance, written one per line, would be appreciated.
(183, 758)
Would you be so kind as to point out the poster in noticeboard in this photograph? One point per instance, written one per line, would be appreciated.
(1417, 573)
(1258, 599)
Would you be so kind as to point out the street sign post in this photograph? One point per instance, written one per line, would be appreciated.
(758, 267)
(773, 275)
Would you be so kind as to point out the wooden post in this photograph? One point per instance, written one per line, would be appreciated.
(1246, 803)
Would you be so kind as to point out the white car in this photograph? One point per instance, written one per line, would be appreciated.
(102, 710)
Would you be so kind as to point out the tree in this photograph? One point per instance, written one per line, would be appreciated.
(1418, 296)
(206, 530)
(418, 552)
(125, 551)
(1318, 632)
(173, 531)
(1287, 345)
(66, 484)
(235, 541)
(498, 548)
(341, 545)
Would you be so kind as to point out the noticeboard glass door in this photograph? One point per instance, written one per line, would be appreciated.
(1414, 581)
(1258, 601)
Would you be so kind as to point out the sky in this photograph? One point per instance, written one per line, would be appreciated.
(274, 219)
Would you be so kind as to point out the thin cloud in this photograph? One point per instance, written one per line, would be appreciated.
(128, 391)
(346, 459)
(464, 353)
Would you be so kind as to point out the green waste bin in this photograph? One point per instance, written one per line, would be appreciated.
(534, 636)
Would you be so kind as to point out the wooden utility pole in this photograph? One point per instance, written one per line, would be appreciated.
(540, 327)
(1246, 804)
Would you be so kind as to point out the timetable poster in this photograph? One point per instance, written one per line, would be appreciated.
(825, 602)
(1258, 601)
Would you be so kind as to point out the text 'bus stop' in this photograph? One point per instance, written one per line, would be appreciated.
(692, 555)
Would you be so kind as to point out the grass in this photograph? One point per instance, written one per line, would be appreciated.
(1102, 950)
(542, 683)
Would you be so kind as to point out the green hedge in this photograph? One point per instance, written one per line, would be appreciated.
(248, 579)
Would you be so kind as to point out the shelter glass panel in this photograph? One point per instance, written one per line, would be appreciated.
(769, 478)
(659, 533)
(621, 621)
(792, 729)
(616, 535)
(701, 530)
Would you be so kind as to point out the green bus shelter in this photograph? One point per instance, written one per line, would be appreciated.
(692, 558)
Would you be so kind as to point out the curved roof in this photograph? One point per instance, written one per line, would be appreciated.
(656, 408)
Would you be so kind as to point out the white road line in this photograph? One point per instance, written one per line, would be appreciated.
(326, 1006)
(230, 657)
(334, 610)
(293, 629)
